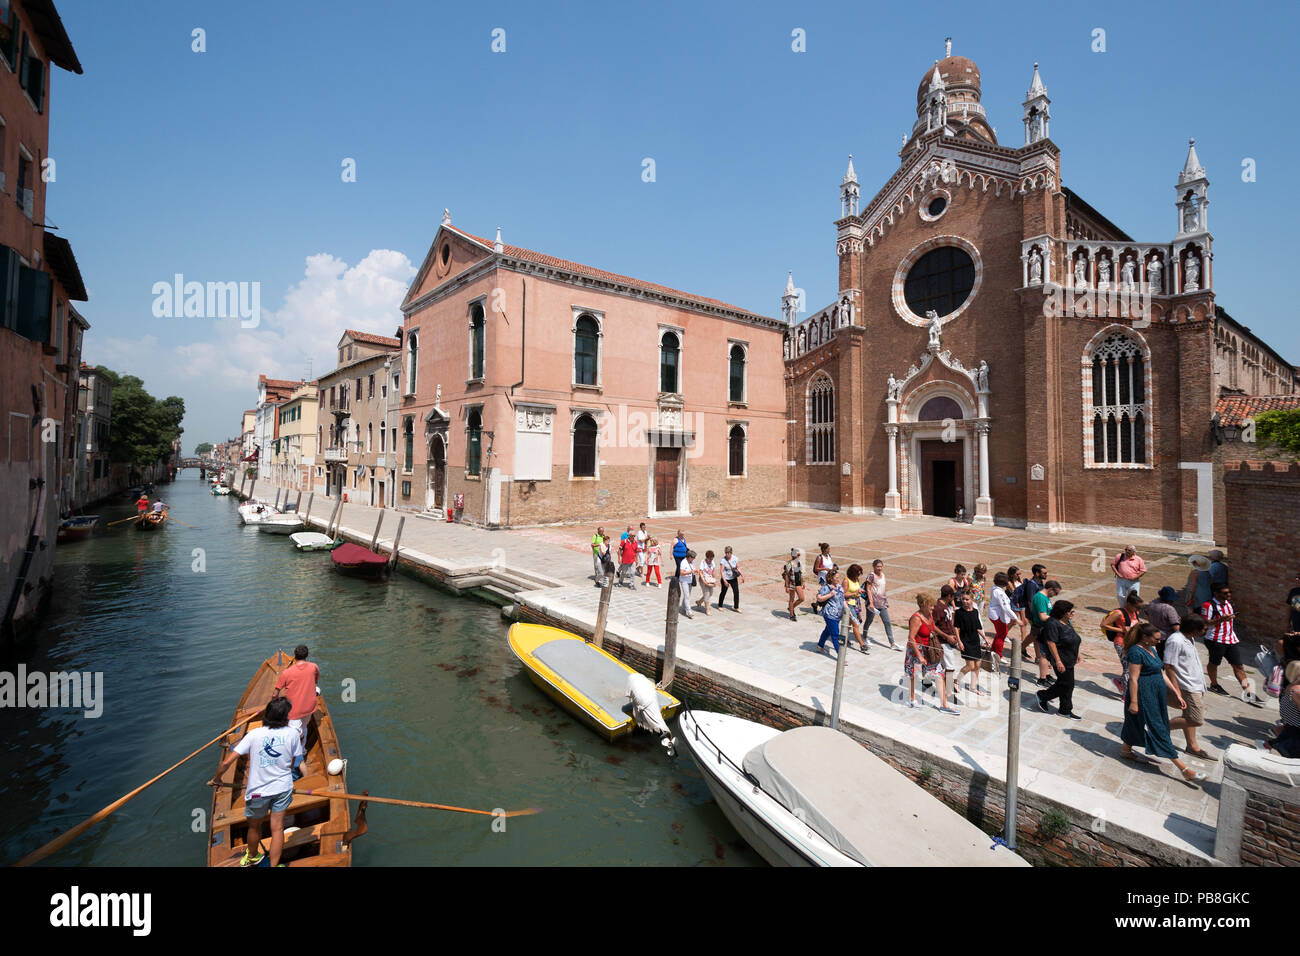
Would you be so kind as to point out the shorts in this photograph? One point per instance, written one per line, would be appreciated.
(1220, 652)
(258, 807)
(927, 670)
(1195, 709)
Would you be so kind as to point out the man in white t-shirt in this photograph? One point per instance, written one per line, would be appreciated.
(1183, 667)
(272, 750)
(641, 538)
(686, 575)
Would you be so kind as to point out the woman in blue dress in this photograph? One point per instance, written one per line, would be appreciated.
(1146, 717)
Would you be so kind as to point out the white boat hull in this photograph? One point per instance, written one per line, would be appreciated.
(280, 524)
(775, 833)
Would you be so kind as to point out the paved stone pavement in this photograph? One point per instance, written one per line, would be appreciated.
(919, 555)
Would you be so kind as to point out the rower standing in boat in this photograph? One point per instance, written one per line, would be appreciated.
(272, 750)
(141, 505)
(298, 683)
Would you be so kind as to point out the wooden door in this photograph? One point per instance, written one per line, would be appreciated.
(666, 467)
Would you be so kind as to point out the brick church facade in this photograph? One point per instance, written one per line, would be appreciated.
(999, 350)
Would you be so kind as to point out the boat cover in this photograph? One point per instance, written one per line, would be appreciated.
(350, 553)
(595, 676)
(865, 808)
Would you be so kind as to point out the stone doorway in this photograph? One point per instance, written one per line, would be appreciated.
(667, 467)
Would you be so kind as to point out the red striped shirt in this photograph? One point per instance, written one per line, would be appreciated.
(1223, 632)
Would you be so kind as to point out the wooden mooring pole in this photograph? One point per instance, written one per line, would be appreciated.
(670, 632)
(602, 613)
(306, 519)
(392, 561)
(374, 540)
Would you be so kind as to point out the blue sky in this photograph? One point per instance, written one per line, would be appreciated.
(226, 165)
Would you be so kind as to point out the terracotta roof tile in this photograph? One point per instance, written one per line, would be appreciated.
(541, 258)
(1235, 409)
(372, 339)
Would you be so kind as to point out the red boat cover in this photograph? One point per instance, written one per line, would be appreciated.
(355, 554)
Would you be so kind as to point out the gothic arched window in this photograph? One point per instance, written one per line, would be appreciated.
(477, 322)
(821, 421)
(670, 354)
(736, 451)
(412, 354)
(584, 447)
(736, 374)
(586, 343)
(474, 442)
(1118, 404)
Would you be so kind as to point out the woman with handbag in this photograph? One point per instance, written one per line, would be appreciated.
(731, 578)
(1146, 703)
(943, 617)
(923, 650)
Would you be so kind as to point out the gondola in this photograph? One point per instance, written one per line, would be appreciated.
(151, 520)
(317, 826)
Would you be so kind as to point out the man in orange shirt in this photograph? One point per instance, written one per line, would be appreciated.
(298, 683)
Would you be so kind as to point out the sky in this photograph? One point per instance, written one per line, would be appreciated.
(230, 164)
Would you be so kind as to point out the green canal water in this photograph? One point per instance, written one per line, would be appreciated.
(443, 711)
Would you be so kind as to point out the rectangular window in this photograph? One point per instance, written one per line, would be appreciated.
(382, 437)
(409, 457)
(371, 386)
(32, 76)
(406, 489)
(8, 32)
(23, 194)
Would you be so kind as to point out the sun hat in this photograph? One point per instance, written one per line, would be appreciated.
(1200, 562)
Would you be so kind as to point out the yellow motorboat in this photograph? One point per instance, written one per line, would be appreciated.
(583, 679)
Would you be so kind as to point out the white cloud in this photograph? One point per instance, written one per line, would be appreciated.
(218, 377)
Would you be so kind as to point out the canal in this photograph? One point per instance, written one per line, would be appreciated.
(178, 620)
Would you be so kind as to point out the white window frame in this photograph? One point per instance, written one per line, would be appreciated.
(811, 445)
(597, 416)
(681, 360)
(411, 379)
(744, 427)
(1147, 407)
(744, 384)
(481, 302)
(599, 317)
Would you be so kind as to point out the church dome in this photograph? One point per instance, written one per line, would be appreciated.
(957, 72)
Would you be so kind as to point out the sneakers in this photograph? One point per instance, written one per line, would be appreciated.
(895, 647)
(1043, 705)
(1252, 699)
(950, 711)
(1045, 682)
(1071, 715)
(1218, 689)
(250, 860)
(918, 704)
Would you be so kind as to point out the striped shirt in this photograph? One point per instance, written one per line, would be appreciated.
(1223, 632)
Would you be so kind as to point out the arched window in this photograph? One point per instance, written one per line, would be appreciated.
(584, 447)
(736, 451)
(821, 419)
(370, 436)
(736, 376)
(476, 342)
(412, 355)
(670, 356)
(474, 442)
(408, 432)
(939, 408)
(1118, 405)
(586, 342)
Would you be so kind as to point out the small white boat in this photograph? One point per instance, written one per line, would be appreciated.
(252, 512)
(312, 541)
(221, 489)
(813, 796)
(280, 524)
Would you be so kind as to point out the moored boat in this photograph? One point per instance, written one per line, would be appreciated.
(78, 528)
(813, 796)
(585, 680)
(316, 825)
(280, 524)
(252, 512)
(353, 559)
(221, 489)
(314, 541)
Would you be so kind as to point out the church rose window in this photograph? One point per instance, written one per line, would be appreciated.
(940, 281)
(1118, 403)
(937, 205)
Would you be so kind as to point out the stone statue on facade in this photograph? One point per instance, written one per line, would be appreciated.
(1191, 217)
(1103, 273)
(1154, 269)
(787, 348)
(936, 325)
(894, 387)
(1080, 272)
(1035, 267)
(1127, 280)
(1193, 273)
(982, 376)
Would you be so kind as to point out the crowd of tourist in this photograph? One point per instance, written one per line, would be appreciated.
(957, 636)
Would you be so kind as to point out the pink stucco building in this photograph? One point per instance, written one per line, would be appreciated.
(538, 390)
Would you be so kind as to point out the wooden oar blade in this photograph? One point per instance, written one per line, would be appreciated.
(359, 825)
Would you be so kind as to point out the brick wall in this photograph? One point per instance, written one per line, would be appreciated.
(1263, 526)
(1259, 810)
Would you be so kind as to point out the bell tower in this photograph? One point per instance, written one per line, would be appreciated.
(1037, 110)
(1192, 196)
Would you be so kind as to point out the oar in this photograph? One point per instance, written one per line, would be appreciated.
(180, 522)
(120, 520)
(321, 792)
(60, 842)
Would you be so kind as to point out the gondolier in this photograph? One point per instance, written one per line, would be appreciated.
(298, 683)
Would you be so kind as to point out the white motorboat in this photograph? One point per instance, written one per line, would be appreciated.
(221, 489)
(813, 796)
(280, 524)
(253, 512)
(312, 541)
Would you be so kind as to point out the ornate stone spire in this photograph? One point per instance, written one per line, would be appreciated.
(790, 301)
(446, 217)
(1192, 169)
(849, 191)
(497, 246)
(1038, 111)
(1192, 194)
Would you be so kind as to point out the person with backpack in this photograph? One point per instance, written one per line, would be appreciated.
(831, 598)
(679, 551)
(1115, 626)
(822, 566)
(708, 576)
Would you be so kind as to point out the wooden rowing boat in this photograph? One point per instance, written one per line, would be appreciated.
(321, 821)
(353, 559)
(76, 529)
(151, 520)
(585, 680)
